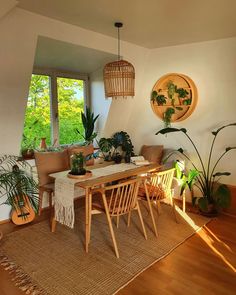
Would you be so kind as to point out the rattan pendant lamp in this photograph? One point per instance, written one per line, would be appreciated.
(119, 76)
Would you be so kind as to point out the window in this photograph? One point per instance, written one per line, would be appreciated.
(54, 104)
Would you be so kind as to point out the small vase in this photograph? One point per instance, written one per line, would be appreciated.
(43, 145)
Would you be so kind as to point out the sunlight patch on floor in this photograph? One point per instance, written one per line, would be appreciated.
(208, 237)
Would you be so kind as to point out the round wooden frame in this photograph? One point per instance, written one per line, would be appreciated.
(181, 81)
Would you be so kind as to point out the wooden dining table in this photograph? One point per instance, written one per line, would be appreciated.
(89, 184)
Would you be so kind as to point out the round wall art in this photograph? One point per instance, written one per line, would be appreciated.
(174, 98)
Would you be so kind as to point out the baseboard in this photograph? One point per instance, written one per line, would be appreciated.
(5, 221)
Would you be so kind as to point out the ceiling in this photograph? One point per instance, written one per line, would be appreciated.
(56, 54)
(148, 23)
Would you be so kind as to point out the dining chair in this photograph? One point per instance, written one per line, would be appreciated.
(117, 200)
(157, 187)
(46, 163)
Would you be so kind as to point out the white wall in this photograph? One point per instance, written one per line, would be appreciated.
(212, 66)
(99, 104)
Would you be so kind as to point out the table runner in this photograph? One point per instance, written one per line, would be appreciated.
(65, 191)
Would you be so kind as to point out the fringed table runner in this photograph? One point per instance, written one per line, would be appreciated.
(65, 191)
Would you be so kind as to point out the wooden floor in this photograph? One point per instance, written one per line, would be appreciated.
(204, 264)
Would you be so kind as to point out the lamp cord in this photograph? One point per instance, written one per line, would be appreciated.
(118, 43)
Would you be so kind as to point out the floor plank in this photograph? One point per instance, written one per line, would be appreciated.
(204, 264)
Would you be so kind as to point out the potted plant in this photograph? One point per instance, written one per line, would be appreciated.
(77, 164)
(105, 146)
(88, 121)
(215, 196)
(18, 188)
(119, 145)
(28, 144)
(28, 147)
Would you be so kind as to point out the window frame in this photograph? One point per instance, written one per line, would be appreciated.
(53, 74)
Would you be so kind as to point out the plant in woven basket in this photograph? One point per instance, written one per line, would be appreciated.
(215, 195)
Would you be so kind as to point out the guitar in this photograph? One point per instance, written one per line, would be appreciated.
(23, 212)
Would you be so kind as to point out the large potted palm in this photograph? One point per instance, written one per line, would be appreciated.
(215, 195)
(18, 189)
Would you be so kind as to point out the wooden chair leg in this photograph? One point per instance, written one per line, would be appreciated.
(150, 209)
(50, 194)
(40, 201)
(110, 226)
(53, 225)
(90, 216)
(141, 220)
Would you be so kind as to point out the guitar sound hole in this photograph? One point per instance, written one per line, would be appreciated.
(23, 215)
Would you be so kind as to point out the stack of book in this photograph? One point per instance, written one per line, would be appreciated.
(139, 161)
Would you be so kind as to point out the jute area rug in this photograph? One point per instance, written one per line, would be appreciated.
(42, 262)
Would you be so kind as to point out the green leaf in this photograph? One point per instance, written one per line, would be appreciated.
(218, 174)
(230, 148)
(192, 177)
(181, 150)
(179, 108)
(183, 186)
(167, 130)
(154, 95)
(179, 173)
(218, 130)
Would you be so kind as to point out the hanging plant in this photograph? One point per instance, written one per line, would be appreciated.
(167, 116)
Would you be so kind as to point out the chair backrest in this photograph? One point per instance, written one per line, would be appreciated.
(159, 184)
(50, 162)
(123, 196)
